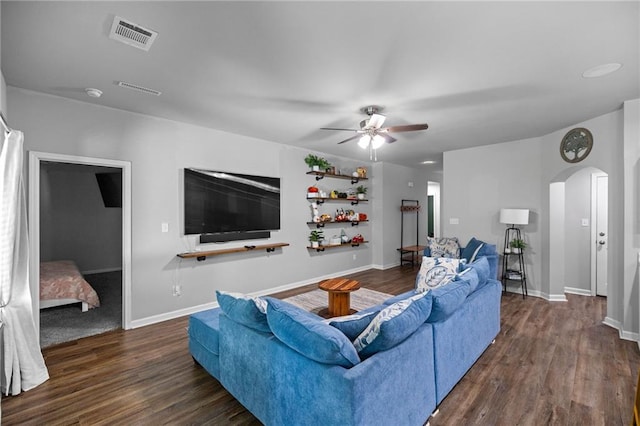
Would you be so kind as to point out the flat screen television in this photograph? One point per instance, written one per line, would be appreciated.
(221, 202)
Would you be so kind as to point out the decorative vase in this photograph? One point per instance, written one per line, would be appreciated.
(515, 250)
(360, 196)
(315, 244)
(315, 168)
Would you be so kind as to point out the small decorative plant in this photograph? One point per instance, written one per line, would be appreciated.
(315, 237)
(316, 163)
(517, 245)
(361, 191)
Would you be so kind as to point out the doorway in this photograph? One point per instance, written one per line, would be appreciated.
(433, 209)
(36, 161)
(578, 254)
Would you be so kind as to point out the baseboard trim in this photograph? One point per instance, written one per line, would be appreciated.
(578, 291)
(538, 293)
(193, 309)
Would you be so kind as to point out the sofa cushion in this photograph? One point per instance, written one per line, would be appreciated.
(470, 276)
(471, 251)
(482, 268)
(204, 327)
(402, 296)
(444, 247)
(436, 271)
(394, 324)
(447, 298)
(308, 335)
(353, 325)
(246, 310)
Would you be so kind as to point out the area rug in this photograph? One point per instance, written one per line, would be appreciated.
(315, 300)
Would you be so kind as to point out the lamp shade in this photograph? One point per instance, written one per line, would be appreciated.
(514, 216)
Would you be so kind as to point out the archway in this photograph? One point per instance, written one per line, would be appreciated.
(568, 270)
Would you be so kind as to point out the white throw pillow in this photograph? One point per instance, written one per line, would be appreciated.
(436, 272)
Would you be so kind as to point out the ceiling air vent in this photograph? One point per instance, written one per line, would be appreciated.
(138, 88)
(132, 34)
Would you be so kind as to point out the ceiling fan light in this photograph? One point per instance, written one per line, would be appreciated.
(376, 121)
(364, 141)
(377, 141)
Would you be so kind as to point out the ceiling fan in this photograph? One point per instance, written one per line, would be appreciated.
(371, 133)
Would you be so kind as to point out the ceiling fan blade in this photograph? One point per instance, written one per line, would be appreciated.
(338, 128)
(406, 128)
(388, 138)
(376, 121)
(349, 139)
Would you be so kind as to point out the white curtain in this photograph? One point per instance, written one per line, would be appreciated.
(21, 360)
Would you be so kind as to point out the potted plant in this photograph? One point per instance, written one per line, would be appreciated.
(361, 191)
(517, 245)
(315, 237)
(316, 163)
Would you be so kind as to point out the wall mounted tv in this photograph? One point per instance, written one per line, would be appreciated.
(224, 206)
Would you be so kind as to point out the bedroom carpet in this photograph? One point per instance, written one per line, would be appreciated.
(315, 300)
(67, 323)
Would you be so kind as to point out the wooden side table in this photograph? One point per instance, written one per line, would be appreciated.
(339, 290)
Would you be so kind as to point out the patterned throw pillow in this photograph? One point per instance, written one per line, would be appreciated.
(444, 247)
(352, 325)
(393, 325)
(436, 271)
(247, 310)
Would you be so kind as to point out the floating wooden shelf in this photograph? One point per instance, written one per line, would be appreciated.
(353, 201)
(321, 175)
(322, 224)
(322, 248)
(202, 255)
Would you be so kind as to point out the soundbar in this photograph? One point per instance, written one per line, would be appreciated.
(233, 236)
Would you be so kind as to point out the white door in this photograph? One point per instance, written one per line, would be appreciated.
(602, 233)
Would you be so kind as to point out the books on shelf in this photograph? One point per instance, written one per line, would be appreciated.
(513, 275)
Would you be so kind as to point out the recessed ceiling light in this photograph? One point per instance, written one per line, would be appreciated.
(429, 162)
(94, 93)
(601, 70)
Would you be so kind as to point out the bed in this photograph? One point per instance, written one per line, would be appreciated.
(61, 283)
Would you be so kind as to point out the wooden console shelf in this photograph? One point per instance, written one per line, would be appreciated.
(202, 255)
(330, 246)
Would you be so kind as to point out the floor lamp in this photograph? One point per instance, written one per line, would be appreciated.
(513, 217)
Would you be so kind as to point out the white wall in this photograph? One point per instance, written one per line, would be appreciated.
(158, 150)
(478, 182)
(577, 236)
(521, 174)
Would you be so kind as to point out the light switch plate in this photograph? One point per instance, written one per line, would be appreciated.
(454, 221)
(165, 227)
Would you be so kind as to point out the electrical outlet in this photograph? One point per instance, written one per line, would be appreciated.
(177, 290)
(355, 256)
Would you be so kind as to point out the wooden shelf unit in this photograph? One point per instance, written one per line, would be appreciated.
(321, 175)
(333, 222)
(202, 255)
(322, 248)
(353, 201)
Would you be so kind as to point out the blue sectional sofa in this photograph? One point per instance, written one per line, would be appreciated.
(287, 366)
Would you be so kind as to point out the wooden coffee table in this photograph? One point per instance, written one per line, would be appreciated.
(339, 290)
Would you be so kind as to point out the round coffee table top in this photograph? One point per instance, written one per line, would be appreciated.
(339, 285)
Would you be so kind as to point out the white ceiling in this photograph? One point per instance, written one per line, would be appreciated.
(477, 72)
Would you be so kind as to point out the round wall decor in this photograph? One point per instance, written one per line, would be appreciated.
(576, 145)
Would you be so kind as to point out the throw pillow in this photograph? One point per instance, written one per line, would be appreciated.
(246, 310)
(435, 272)
(470, 276)
(398, 298)
(308, 335)
(470, 252)
(444, 247)
(393, 325)
(447, 299)
(353, 325)
(482, 268)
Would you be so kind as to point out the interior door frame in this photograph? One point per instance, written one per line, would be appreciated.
(35, 160)
(594, 231)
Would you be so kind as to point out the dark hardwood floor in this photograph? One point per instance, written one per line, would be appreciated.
(552, 363)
